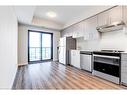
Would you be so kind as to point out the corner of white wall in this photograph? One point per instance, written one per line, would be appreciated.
(8, 46)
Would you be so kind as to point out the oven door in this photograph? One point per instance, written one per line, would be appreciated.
(107, 68)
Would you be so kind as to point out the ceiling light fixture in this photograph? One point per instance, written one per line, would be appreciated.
(51, 14)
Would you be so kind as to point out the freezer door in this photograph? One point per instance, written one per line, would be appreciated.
(62, 42)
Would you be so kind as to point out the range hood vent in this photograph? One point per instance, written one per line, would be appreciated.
(112, 27)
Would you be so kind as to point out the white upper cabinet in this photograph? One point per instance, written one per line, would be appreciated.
(63, 33)
(67, 32)
(103, 18)
(115, 14)
(90, 29)
(78, 30)
(125, 14)
(110, 16)
(87, 28)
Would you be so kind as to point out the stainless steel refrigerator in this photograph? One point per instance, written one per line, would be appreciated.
(66, 44)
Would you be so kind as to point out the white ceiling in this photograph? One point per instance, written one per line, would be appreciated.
(24, 13)
(66, 15)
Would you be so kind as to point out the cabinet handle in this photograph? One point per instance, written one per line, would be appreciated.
(113, 57)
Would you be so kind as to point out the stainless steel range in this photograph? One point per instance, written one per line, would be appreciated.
(107, 65)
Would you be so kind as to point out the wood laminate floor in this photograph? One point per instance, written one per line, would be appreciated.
(51, 75)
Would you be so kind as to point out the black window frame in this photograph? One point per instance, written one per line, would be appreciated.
(41, 45)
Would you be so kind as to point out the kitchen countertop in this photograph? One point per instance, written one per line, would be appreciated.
(95, 51)
(82, 50)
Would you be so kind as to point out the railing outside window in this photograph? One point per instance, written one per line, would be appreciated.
(37, 52)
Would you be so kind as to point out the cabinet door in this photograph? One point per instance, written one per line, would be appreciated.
(90, 30)
(124, 72)
(78, 30)
(125, 14)
(124, 68)
(64, 33)
(67, 32)
(72, 57)
(103, 18)
(75, 58)
(82, 29)
(115, 14)
(70, 31)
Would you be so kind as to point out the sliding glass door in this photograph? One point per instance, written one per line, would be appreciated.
(46, 46)
(40, 46)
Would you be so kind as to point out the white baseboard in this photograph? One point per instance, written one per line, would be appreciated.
(22, 64)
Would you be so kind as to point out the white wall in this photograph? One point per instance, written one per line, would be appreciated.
(110, 40)
(23, 42)
(8, 47)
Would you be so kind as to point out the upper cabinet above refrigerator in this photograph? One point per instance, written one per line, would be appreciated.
(78, 30)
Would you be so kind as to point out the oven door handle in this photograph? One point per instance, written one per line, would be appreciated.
(113, 57)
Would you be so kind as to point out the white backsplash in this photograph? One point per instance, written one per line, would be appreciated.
(109, 40)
